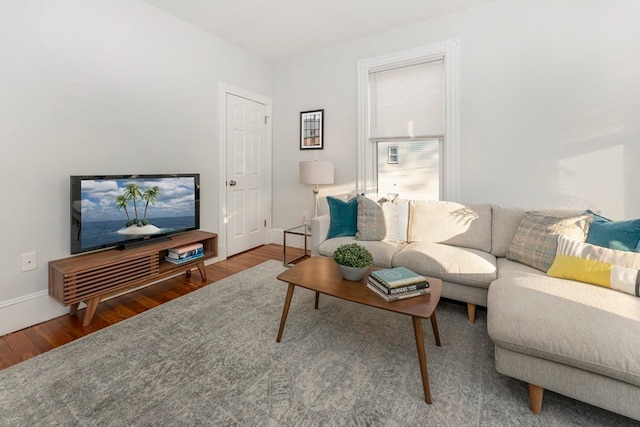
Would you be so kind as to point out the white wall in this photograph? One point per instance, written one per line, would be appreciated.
(549, 105)
(99, 87)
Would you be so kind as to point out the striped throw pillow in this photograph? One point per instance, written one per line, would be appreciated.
(536, 239)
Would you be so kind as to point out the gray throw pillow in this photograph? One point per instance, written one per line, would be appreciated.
(536, 239)
(370, 222)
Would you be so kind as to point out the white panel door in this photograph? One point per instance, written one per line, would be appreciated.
(246, 183)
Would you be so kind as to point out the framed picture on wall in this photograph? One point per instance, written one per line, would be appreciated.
(312, 130)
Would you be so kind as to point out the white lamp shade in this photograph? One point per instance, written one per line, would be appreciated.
(316, 172)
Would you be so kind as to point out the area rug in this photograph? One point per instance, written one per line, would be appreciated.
(211, 358)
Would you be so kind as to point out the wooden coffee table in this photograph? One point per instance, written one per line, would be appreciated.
(321, 275)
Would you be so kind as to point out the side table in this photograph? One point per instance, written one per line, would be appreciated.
(300, 230)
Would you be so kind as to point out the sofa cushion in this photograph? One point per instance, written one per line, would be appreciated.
(620, 235)
(370, 220)
(343, 217)
(536, 240)
(505, 222)
(507, 268)
(452, 223)
(382, 251)
(465, 266)
(550, 318)
(396, 219)
(596, 265)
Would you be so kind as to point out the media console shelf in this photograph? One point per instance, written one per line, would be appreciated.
(91, 277)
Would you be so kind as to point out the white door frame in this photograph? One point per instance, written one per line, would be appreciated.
(223, 90)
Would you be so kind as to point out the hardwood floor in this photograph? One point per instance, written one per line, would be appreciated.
(27, 343)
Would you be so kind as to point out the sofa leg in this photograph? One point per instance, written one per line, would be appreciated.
(471, 312)
(535, 398)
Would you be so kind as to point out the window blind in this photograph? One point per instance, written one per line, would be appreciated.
(407, 102)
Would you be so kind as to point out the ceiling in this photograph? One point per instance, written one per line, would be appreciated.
(279, 29)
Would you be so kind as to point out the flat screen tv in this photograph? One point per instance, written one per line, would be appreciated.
(127, 210)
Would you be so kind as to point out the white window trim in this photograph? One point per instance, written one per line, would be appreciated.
(366, 154)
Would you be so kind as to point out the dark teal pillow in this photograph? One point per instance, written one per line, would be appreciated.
(620, 235)
(344, 217)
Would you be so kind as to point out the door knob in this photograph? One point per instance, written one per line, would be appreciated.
(232, 183)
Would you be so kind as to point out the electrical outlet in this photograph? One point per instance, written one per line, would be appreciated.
(29, 261)
(305, 217)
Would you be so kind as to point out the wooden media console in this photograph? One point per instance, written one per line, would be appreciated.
(91, 277)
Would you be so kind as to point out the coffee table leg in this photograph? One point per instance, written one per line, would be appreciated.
(317, 299)
(285, 310)
(422, 357)
(434, 325)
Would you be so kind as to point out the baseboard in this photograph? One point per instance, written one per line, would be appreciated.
(28, 310)
(274, 236)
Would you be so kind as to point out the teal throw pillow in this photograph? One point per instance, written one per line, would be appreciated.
(344, 217)
(619, 235)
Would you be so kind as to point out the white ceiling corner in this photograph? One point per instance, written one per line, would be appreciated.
(279, 29)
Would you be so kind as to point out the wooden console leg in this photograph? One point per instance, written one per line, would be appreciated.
(73, 310)
(203, 271)
(536, 394)
(471, 312)
(92, 305)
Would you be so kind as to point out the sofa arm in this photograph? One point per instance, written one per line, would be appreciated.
(319, 232)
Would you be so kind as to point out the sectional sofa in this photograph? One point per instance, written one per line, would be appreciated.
(555, 333)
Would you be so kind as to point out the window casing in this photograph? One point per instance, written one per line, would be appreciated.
(378, 129)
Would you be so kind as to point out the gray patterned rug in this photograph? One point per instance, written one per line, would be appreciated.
(211, 358)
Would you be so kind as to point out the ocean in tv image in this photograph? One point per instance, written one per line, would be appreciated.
(100, 233)
(117, 210)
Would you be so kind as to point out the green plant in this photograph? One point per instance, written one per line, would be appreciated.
(353, 255)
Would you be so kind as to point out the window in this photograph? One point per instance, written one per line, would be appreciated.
(392, 155)
(407, 124)
(406, 105)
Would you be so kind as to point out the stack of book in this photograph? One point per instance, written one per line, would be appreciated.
(185, 253)
(397, 283)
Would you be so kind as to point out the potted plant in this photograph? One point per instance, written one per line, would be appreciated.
(353, 261)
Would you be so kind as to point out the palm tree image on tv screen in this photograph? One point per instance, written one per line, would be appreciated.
(132, 193)
(116, 210)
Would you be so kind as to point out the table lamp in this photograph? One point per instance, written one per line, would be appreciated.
(316, 172)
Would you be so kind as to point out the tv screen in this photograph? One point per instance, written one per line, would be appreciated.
(122, 210)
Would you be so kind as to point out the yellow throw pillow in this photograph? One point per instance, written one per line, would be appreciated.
(596, 265)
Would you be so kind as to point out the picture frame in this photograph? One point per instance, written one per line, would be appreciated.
(312, 130)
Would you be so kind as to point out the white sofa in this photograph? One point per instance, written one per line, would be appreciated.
(573, 338)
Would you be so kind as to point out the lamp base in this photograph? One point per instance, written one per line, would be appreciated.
(315, 201)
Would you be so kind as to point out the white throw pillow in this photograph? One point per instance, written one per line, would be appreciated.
(396, 219)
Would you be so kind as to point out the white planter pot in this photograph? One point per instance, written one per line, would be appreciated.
(353, 274)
